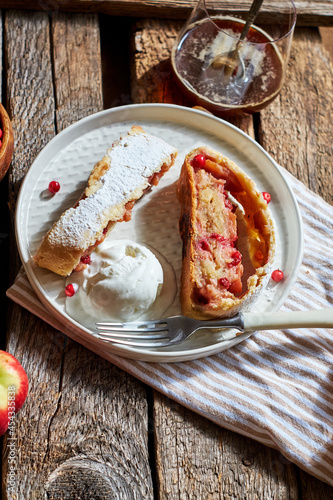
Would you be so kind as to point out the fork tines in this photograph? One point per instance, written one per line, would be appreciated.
(137, 326)
(136, 333)
(123, 335)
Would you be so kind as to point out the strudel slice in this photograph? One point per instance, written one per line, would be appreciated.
(133, 164)
(212, 282)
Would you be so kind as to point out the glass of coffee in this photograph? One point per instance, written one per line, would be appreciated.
(212, 36)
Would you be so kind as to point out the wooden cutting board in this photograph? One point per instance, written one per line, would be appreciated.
(310, 12)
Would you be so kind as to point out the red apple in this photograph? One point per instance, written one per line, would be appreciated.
(14, 387)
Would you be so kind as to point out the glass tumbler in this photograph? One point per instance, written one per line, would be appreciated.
(213, 32)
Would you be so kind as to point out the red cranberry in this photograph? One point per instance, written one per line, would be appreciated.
(1, 133)
(218, 237)
(267, 197)
(54, 187)
(105, 230)
(224, 282)
(199, 161)
(86, 259)
(237, 257)
(277, 275)
(222, 240)
(203, 244)
(70, 290)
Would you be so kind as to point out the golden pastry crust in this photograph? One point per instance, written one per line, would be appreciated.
(131, 166)
(204, 294)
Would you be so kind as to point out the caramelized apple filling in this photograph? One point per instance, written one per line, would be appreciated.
(218, 266)
(256, 221)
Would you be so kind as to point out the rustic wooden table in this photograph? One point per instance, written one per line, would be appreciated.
(89, 430)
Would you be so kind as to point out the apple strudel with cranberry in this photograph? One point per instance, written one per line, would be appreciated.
(215, 195)
(131, 166)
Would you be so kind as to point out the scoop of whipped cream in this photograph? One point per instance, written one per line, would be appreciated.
(122, 282)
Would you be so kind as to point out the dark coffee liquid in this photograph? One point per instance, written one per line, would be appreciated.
(263, 67)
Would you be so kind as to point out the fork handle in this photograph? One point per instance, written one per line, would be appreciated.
(318, 318)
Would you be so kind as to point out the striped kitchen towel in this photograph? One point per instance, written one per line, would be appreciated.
(276, 386)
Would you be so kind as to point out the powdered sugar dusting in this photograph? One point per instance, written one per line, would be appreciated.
(133, 159)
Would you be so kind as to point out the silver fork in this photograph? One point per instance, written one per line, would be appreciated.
(175, 329)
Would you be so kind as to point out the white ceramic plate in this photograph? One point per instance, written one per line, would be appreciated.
(69, 158)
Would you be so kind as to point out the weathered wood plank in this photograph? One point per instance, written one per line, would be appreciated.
(310, 12)
(30, 100)
(151, 75)
(327, 39)
(194, 458)
(77, 67)
(297, 128)
(97, 437)
(115, 35)
(311, 488)
(82, 432)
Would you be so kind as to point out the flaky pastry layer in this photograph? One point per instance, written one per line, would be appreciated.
(132, 165)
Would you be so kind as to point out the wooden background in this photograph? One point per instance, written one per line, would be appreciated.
(310, 12)
(88, 430)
